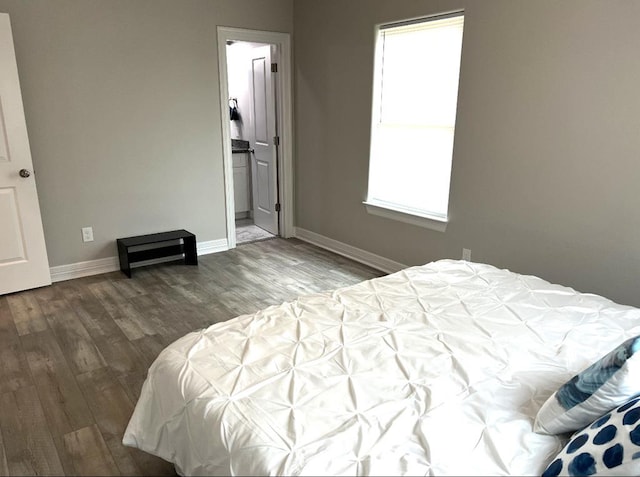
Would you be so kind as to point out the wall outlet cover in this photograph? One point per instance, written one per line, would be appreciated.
(87, 234)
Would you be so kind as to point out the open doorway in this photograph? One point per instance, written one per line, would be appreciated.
(254, 132)
(255, 85)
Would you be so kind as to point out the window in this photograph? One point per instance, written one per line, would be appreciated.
(415, 94)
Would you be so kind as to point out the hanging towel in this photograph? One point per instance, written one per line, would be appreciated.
(233, 110)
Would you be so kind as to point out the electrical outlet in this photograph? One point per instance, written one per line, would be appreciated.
(87, 234)
(466, 254)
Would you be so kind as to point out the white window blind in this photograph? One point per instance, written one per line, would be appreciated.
(417, 68)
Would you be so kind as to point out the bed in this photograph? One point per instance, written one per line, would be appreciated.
(435, 370)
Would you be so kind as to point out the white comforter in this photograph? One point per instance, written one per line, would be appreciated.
(438, 369)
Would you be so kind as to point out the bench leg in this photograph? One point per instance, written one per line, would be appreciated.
(190, 252)
(123, 255)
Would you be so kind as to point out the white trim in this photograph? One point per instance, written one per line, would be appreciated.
(285, 122)
(349, 251)
(432, 222)
(212, 246)
(112, 264)
(84, 269)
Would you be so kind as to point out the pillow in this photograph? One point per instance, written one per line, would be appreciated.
(609, 446)
(607, 383)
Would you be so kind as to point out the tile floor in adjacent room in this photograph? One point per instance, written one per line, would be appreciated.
(247, 231)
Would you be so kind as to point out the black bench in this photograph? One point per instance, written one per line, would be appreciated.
(167, 247)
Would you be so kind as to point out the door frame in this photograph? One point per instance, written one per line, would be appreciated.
(284, 117)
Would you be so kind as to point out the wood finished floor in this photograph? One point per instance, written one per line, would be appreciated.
(74, 355)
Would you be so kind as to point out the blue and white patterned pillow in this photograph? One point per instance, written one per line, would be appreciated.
(609, 446)
(607, 383)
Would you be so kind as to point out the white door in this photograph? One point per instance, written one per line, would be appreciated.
(264, 163)
(23, 256)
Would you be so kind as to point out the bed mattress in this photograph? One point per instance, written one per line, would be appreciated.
(434, 370)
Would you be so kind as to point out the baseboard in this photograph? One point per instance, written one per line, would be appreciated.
(84, 269)
(349, 251)
(111, 264)
(212, 246)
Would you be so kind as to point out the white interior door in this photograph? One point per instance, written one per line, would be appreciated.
(264, 163)
(23, 256)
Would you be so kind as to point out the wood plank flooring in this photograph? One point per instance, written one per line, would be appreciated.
(73, 356)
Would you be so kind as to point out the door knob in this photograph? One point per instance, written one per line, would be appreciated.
(24, 173)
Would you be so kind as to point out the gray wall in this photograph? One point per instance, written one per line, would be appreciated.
(547, 154)
(122, 105)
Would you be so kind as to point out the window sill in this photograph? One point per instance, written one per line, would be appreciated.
(431, 222)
